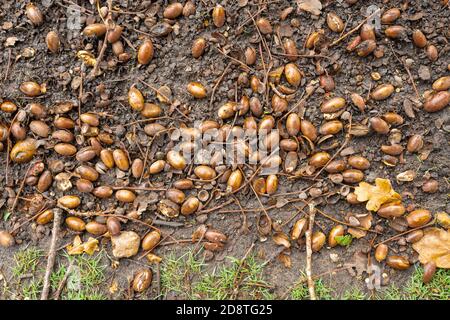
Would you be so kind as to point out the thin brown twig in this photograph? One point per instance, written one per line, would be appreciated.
(355, 28)
(51, 255)
(211, 100)
(16, 199)
(308, 234)
(407, 71)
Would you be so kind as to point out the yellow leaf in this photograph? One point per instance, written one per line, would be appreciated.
(376, 195)
(114, 287)
(91, 246)
(78, 247)
(153, 258)
(434, 246)
(87, 57)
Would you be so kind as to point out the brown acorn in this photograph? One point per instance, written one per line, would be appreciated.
(52, 41)
(145, 52)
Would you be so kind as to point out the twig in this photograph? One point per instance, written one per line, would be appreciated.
(355, 28)
(236, 283)
(8, 65)
(217, 84)
(407, 71)
(308, 234)
(403, 233)
(63, 282)
(20, 188)
(51, 255)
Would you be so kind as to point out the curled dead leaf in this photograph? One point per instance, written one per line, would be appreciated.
(376, 195)
(79, 247)
(434, 247)
(87, 57)
(311, 6)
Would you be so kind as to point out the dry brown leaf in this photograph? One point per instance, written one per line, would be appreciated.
(285, 260)
(153, 258)
(434, 246)
(87, 57)
(114, 287)
(78, 246)
(376, 195)
(311, 6)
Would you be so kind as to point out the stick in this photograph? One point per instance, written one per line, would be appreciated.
(63, 282)
(308, 234)
(51, 255)
(20, 188)
(354, 29)
(217, 84)
(407, 71)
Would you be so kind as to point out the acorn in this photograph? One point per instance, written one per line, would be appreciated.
(419, 39)
(389, 210)
(52, 41)
(271, 184)
(299, 229)
(145, 52)
(395, 32)
(95, 228)
(432, 52)
(333, 105)
(175, 195)
(334, 22)
(381, 252)
(34, 14)
(382, 92)
(264, 26)
(136, 99)
(188, 9)
(290, 49)
(235, 180)
(157, 166)
(379, 125)
(69, 202)
(23, 151)
(429, 269)
(8, 107)
(121, 159)
(115, 34)
(113, 225)
(336, 231)
(95, 29)
(32, 89)
(293, 124)
(367, 32)
(137, 168)
(45, 181)
(317, 241)
(308, 130)
(358, 101)
(151, 110)
(437, 101)
(390, 16)
(336, 166)
(125, 196)
(204, 172)
(84, 185)
(353, 175)
(218, 16)
(418, 218)
(331, 127)
(173, 10)
(151, 240)
(365, 48)
(292, 74)
(227, 110)
(250, 55)
(190, 206)
(65, 149)
(198, 47)
(142, 280)
(319, 159)
(176, 160)
(196, 89)
(327, 82)
(442, 84)
(397, 262)
(415, 143)
(45, 217)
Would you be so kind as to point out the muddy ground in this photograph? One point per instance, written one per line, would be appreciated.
(174, 67)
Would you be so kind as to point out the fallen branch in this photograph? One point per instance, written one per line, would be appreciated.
(51, 255)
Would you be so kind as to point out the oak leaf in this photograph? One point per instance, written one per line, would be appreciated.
(78, 246)
(376, 195)
(434, 246)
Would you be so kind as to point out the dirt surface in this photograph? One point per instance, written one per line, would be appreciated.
(174, 66)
